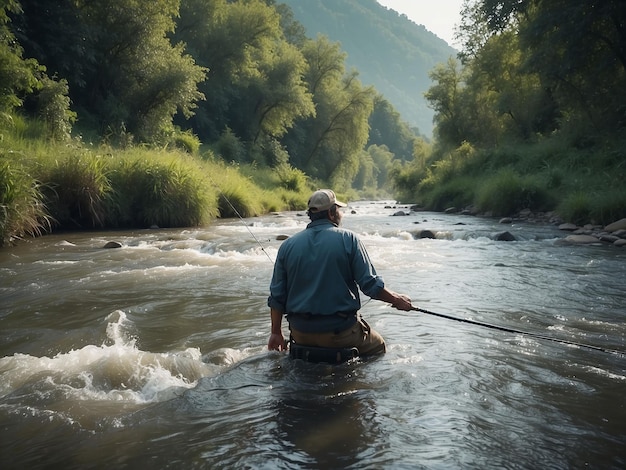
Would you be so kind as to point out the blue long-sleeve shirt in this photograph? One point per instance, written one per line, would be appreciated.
(319, 272)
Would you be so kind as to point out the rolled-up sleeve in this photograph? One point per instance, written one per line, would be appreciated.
(364, 272)
(278, 287)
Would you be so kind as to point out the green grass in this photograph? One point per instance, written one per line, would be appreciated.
(162, 188)
(22, 208)
(46, 186)
(581, 185)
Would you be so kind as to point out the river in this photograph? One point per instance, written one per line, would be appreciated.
(153, 355)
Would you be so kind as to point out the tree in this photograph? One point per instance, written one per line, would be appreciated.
(387, 128)
(121, 68)
(254, 85)
(578, 49)
(444, 98)
(273, 98)
(18, 76)
(327, 144)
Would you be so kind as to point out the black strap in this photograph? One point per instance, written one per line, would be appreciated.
(326, 355)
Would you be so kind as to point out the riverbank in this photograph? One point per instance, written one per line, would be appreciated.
(613, 233)
(50, 187)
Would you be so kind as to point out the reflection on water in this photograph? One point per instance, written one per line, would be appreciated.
(154, 354)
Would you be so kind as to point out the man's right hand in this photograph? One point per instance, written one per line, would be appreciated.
(276, 342)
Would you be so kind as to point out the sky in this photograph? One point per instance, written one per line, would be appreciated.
(438, 16)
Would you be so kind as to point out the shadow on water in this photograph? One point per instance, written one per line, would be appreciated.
(326, 414)
(270, 411)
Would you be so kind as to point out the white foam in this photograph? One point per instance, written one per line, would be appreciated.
(117, 371)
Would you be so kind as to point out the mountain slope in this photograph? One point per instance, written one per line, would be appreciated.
(390, 51)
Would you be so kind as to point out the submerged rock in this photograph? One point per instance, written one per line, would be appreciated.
(423, 234)
(505, 237)
(112, 245)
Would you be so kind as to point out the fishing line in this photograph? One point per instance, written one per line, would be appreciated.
(526, 333)
(242, 221)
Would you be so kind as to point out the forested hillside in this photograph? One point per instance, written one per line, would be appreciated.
(390, 51)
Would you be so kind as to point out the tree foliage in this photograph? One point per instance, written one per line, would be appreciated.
(18, 76)
(122, 69)
(327, 146)
(539, 84)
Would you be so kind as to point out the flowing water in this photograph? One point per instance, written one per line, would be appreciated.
(154, 355)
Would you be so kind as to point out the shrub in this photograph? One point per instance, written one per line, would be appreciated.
(457, 193)
(230, 147)
(54, 108)
(290, 178)
(237, 198)
(610, 206)
(576, 208)
(507, 193)
(185, 141)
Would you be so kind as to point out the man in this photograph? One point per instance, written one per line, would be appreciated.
(316, 281)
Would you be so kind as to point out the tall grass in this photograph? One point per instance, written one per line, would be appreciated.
(166, 189)
(77, 188)
(22, 210)
(46, 185)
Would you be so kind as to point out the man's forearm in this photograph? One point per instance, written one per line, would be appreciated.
(399, 301)
(277, 320)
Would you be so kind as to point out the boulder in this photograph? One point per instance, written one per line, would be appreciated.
(399, 214)
(505, 237)
(451, 210)
(568, 227)
(619, 225)
(424, 234)
(109, 245)
(506, 220)
(620, 242)
(282, 237)
(581, 239)
(608, 238)
(620, 233)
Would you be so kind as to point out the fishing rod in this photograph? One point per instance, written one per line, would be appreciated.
(526, 333)
(242, 221)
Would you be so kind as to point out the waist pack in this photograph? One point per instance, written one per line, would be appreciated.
(327, 355)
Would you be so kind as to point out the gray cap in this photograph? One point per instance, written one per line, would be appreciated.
(323, 199)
